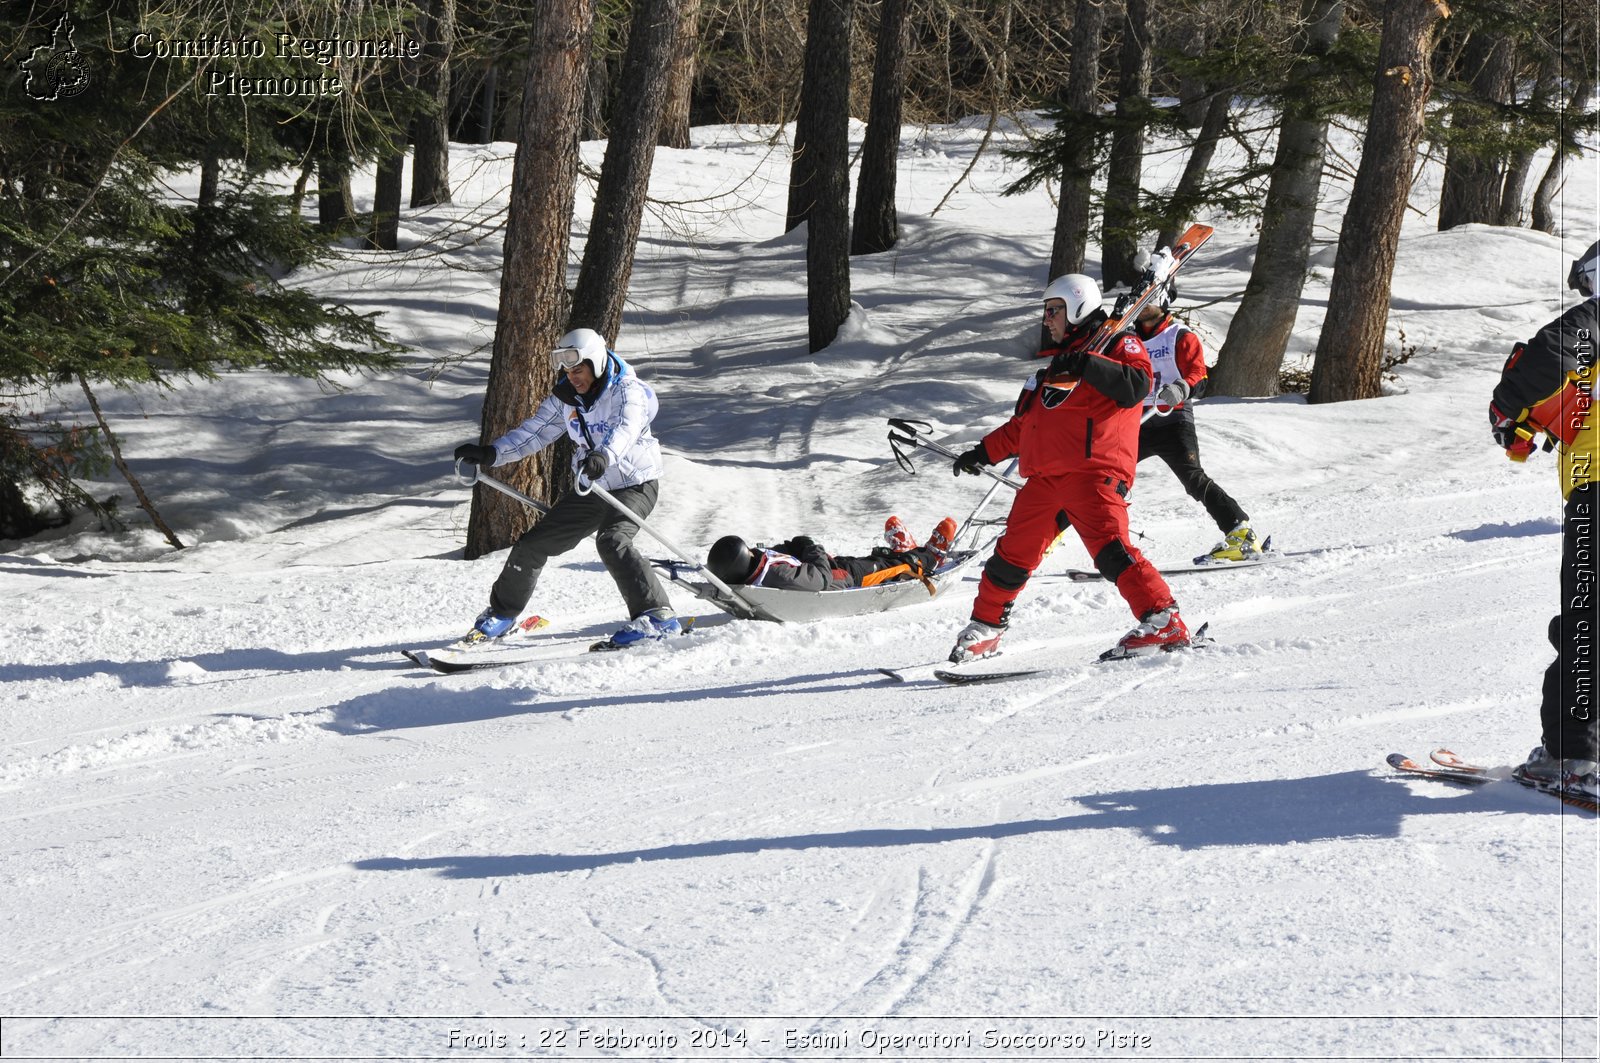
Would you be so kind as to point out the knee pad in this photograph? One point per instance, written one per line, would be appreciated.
(1113, 560)
(1004, 574)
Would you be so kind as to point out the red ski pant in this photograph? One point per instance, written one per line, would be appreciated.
(1048, 505)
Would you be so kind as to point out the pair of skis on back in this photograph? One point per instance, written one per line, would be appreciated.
(1446, 766)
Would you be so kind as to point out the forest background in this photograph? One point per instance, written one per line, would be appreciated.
(110, 279)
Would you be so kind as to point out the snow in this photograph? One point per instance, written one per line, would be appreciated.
(238, 823)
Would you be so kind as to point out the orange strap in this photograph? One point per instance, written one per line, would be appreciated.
(872, 579)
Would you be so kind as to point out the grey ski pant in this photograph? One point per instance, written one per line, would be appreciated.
(573, 518)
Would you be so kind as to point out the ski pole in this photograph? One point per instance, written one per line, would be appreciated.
(584, 487)
(914, 438)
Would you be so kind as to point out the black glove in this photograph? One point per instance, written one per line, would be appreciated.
(595, 465)
(475, 454)
(1515, 436)
(1069, 363)
(972, 461)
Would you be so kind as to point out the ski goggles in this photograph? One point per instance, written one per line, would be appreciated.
(565, 359)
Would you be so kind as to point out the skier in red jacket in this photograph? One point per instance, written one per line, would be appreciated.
(1075, 434)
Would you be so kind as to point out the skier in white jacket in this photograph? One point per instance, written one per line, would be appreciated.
(606, 410)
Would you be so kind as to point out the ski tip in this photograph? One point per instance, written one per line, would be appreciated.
(1401, 761)
(898, 677)
(417, 657)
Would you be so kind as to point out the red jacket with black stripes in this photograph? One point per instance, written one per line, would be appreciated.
(1085, 424)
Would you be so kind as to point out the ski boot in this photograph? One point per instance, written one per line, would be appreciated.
(652, 624)
(1241, 543)
(1573, 776)
(943, 537)
(977, 640)
(1161, 629)
(898, 536)
(489, 627)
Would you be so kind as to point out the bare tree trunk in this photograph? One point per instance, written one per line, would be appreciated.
(1119, 240)
(1082, 141)
(533, 294)
(210, 178)
(680, 80)
(1350, 351)
(122, 467)
(1473, 174)
(430, 168)
(1544, 197)
(335, 205)
(1252, 355)
(385, 234)
(486, 99)
(625, 175)
(1186, 195)
(877, 224)
(598, 86)
(819, 176)
(1513, 193)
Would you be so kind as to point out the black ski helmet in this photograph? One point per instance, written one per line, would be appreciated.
(731, 560)
(1584, 276)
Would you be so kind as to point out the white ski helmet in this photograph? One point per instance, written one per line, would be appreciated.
(1586, 270)
(580, 345)
(1080, 293)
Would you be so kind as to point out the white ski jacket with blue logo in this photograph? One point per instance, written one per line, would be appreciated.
(616, 422)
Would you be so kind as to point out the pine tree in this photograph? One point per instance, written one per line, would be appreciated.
(106, 279)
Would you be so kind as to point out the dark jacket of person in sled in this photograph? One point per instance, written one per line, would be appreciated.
(803, 564)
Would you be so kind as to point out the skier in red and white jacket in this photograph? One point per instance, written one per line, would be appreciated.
(1179, 365)
(1075, 434)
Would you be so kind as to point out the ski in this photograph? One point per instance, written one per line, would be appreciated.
(1080, 575)
(1128, 306)
(516, 636)
(976, 674)
(449, 662)
(1449, 767)
(1467, 777)
(1446, 759)
(954, 678)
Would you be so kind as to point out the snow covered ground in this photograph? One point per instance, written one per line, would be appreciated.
(238, 823)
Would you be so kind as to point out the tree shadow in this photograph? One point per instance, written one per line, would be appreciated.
(1355, 804)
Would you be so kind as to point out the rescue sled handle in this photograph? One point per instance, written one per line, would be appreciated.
(914, 434)
(506, 489)
(584, 486)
